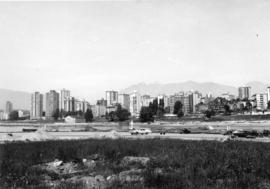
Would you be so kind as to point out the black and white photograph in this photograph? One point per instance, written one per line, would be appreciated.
(135, 94)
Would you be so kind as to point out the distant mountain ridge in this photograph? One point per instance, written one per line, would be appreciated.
(216, 89)
(19, 99)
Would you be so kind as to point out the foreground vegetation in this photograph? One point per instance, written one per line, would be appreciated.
(183, 164)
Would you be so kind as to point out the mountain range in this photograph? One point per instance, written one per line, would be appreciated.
(215, 89)
(21, 100)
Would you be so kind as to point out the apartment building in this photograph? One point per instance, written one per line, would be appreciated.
(36, 106)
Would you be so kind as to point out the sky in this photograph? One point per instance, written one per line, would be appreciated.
(90, 47)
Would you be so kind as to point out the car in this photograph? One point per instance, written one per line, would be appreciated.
(184, 131)
(141, 131)
(246, 133)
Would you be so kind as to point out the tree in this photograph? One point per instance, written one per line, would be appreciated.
(180, 114)
(177, 107)
(14, 115)
(146, 114)
(209, 113)
(154, 106)
(242, 108)
(227, 109)
(160, 112)
(80, 113)
(167, 109)
(56, 114)
(161, 103)
(112, 116)
(122, 114)
(88, 116)
(249, 105)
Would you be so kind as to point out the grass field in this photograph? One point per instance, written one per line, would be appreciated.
(184, 164)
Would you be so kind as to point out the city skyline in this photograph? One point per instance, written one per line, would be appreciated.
(90, 47)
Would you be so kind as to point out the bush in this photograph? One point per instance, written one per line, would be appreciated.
(209, 113)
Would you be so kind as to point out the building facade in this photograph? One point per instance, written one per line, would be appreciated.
(9, 107)
(268, 93)
(195, 98)
(36, 106)
(70, 104)
(102, 102)
(100, 110)
(165, 99)
(146, 100)
(173, 99)
(135, 103)
(261, 101)
(244, 92)
(64, 96)
(52, 103)
(189, 101)
(111, 98)
(124, 100)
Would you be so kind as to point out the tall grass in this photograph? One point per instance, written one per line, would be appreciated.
(184, 164)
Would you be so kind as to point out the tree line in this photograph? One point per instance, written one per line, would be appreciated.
(157, 110)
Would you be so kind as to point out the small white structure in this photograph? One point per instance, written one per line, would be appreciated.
(70, 119)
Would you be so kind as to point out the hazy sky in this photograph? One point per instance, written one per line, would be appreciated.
(90, 47)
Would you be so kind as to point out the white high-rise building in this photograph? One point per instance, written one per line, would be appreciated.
(112, 98)
(64, 96)
(135, 103)
(261, 101)
(81, 105)
(268, 94)
(36, 105)
(9, 107)
(195, 99)
(165, 99)
(244, 92)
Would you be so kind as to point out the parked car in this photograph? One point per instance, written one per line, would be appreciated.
(184, 131)
(247, 133)
(141, 131)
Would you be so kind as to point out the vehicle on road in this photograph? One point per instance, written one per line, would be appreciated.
(141, 131)
(29, 130)
(246, 133)
(184, 131)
